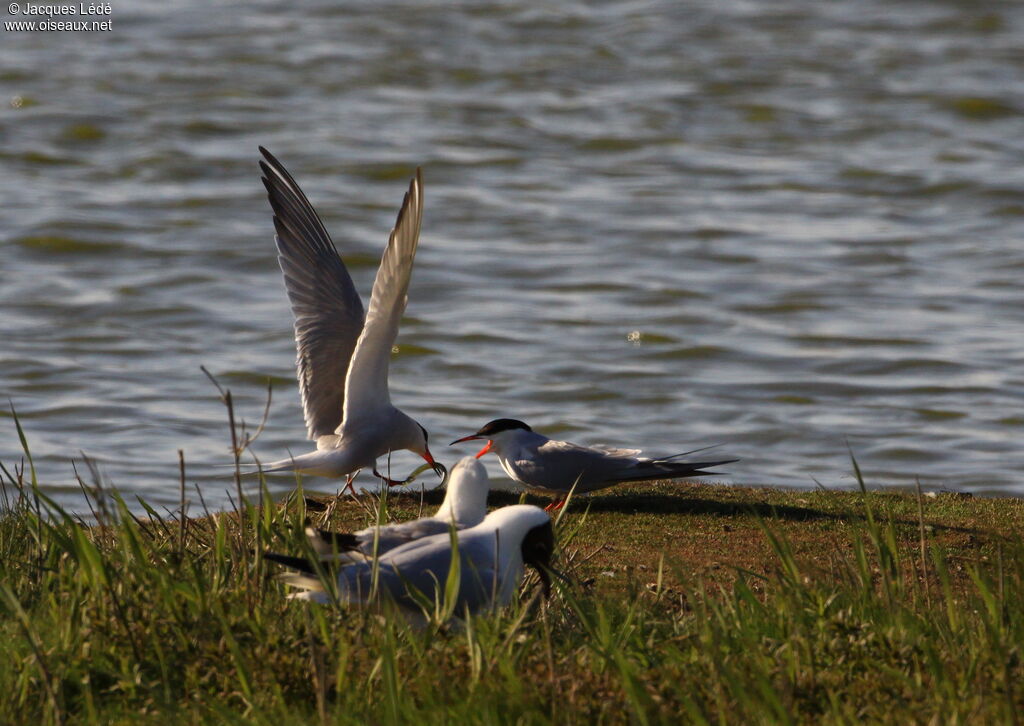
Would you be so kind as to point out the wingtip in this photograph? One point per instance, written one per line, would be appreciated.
(296, 563)
(324, 541)
(412, 204)
(723, 462)
(413, 197)
(269, 157)
(709, 464)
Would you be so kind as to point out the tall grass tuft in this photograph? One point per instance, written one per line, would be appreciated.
(162, 619)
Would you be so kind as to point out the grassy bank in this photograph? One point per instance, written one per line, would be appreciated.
(693, 603)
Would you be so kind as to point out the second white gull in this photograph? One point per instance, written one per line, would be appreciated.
(464, 505)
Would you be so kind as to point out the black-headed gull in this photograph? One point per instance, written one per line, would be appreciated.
(491, 561)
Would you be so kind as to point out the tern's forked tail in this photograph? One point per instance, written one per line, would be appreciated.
(666, 469)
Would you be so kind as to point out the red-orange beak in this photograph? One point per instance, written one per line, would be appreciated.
(471, 437)
(439, 469)
(490, 445)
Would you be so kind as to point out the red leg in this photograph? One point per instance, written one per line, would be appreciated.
(348, 483)
(555, 506)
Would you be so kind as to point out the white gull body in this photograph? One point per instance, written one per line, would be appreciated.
(492, 556)
(464, 505)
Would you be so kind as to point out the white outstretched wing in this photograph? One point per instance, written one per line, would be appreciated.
(366, 385)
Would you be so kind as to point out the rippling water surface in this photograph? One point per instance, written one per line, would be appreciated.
(777, 226)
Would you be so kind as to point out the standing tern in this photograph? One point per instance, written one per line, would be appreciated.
(555, 467)
(343, 354)
(464, 505)
(491, 562)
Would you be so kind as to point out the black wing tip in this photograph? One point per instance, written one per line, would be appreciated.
(275, 181)
(273, 160)
(296, 563)
(275, 171)
(295, 219)
(341, 541)
(697, 468)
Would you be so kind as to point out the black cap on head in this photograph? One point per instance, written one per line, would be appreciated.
(501, 424)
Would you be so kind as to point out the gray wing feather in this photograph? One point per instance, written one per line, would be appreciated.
(367, 383)
(559, 463)
(396, 535)
(614, 451)
(423, 565)
(328, 312)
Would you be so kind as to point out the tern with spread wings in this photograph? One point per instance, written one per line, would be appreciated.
(343, 353)
(555, 468)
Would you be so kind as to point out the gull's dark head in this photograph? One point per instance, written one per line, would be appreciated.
(538, 547)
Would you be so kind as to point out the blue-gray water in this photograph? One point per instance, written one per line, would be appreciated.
(777, 226)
